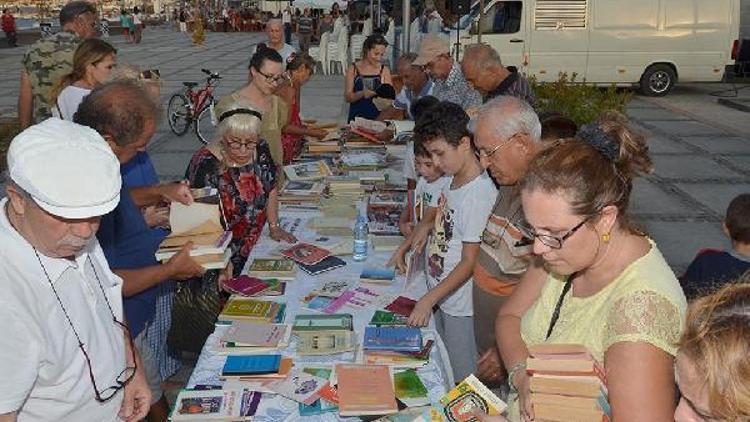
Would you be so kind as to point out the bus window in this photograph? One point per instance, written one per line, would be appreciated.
(504, 17)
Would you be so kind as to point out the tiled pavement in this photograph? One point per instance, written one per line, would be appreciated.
(699, 167)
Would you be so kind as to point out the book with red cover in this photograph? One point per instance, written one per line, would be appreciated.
(402, 306)
(246, 285)
(305, 253)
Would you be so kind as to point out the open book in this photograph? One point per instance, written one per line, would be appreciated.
(199, 223)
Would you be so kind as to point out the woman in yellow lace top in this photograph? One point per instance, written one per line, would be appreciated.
(598, 281)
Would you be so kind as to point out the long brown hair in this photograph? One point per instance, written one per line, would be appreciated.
(90, 52)
(594, 169)
(717, 341)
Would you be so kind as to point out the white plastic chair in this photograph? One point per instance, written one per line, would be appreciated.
(319, 54)
(415, 36)
(337, 25)
(367, 27)
(390, 36)
(355, 50)
(341, 55)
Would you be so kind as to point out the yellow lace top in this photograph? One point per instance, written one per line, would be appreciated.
(645, 303)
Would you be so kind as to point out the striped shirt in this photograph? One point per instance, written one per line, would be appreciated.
(515, 85)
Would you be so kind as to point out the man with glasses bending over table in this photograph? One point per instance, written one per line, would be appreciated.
(65, 351)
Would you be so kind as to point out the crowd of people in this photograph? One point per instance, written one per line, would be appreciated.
(523, 218)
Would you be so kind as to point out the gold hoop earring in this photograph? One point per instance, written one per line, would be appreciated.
(606, 237)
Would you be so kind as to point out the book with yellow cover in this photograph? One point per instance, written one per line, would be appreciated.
(470, 395)
(239, 308)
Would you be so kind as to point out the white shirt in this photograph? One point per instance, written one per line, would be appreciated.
(410, 169)
(68, 101)
(286, 17)
(427, 194)
(286, 51)
(461, 218)
(44, 373)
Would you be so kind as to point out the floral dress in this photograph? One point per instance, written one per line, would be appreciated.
(292, 144)
(244, 193)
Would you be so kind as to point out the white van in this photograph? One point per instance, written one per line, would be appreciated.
(653, 43)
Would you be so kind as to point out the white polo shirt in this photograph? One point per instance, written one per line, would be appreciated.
(43, 373)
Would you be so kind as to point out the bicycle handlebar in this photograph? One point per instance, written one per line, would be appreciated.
(212, 75)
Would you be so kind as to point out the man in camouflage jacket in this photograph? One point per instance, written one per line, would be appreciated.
(48, 59)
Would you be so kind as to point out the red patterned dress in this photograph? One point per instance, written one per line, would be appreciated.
(292, 144)
(244, 193)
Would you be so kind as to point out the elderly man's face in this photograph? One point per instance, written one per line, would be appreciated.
(441, 67)
(415, 78)
(52, 236)
(478, 78)
(275, 33)
(506, 159)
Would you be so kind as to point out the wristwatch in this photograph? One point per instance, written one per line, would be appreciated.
(521, 366)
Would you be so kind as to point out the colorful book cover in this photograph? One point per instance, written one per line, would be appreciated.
(245, 286)
(324, 343)
(247, 308)
(251, 334)
(316, 303)
(275, 288)
(271, 265)
(358, 298)
(385, 318)
(221, 404)
(305, 253)
(410, 389)
(379, 275)
(400, 339)
(327, 264)
(332, 288)
(318, 407)
(251, 365)
(402, 306)
(299, 386)
(468, 396)
(310, 322)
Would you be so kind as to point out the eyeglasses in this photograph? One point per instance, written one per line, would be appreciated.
(151, 74)
(237, 145)
(127, 374)
(273, 79)
(481, 154)
(554, 242)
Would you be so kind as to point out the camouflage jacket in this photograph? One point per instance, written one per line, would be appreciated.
(46, 61)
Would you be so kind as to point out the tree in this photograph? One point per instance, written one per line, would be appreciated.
(198, 31)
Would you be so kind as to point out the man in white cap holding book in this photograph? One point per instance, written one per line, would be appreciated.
(65, 350)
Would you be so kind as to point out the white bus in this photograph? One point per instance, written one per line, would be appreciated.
(650, 43)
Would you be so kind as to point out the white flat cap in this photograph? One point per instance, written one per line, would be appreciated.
(68, 169)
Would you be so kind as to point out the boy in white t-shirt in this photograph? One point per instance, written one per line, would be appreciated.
(452, 249)
(429, 186)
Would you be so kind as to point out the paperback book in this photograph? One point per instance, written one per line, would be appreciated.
(215, 405)
(365, 390)
(306, 254)
(397, 339)
(467, 397)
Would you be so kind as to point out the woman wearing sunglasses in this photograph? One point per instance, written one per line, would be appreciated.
(266, 73)
(598, 281)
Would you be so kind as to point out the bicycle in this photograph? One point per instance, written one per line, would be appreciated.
(194, 107)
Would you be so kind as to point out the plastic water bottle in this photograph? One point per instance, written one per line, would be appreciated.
(360, 239)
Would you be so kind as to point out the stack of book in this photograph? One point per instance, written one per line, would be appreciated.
(324, 334)
(357, 159)
(245, 337)
(302, 193)
(332, 226)
(567, 384)
(273, 268)
(253, 287)
(240, 308)
(384, 209)
(199, 223)
(397, 346)
(312, 170)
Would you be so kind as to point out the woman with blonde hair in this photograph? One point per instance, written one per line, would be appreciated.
(596, 280)
(239, 165)
(712, 366)
(93, 61)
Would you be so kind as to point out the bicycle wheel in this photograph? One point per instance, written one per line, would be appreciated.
(204, 127)
(179, 114)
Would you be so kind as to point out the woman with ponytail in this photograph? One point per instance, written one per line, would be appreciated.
(93, 62)
(596, 280)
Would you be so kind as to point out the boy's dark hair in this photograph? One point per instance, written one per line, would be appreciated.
(556, 126)
(446, 120)
(419, 107)
(386, 91)
(421, 151)
(263, 53)
(738, 218)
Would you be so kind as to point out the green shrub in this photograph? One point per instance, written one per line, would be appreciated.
(580, 101)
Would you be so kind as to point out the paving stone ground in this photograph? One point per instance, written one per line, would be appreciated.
(701, 162)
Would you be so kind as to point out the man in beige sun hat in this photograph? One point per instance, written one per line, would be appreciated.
(450, 84)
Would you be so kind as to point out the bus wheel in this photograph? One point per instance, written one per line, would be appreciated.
(658, 80)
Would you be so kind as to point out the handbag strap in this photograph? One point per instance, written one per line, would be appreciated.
(558, 306)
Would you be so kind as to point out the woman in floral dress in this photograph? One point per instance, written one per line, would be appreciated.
(239, 165)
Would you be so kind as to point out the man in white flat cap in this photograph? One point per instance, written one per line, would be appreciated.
(65, 351)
